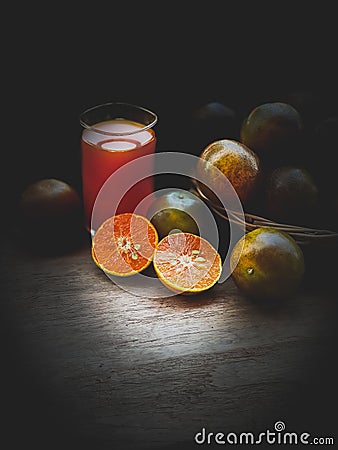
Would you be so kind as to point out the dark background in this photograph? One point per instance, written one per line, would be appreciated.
(170, 61)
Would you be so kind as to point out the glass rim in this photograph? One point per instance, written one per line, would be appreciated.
(87, 126)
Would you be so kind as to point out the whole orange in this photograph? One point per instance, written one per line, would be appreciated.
(273, 130)
(234, 160)
(267, 264)
(50, 212)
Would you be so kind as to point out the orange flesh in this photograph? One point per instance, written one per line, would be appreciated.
(186, 262)
(124, 244)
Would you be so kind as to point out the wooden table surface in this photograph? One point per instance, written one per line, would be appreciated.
(88, 365)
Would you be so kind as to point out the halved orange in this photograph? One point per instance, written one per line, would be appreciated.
(94, 258)
(187, 263)
(124, 244)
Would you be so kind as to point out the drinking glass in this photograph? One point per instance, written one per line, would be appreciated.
(114, 134)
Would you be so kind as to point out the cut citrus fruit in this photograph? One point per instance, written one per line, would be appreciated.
(94, 257)
(124, 244)
(187, 263)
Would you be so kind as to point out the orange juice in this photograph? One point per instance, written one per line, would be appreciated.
(107, 146)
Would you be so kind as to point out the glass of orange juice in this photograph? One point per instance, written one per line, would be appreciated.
(114, 134)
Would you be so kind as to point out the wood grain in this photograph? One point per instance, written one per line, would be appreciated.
(89, 364)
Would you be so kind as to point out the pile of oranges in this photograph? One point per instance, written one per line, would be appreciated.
(269, 162)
